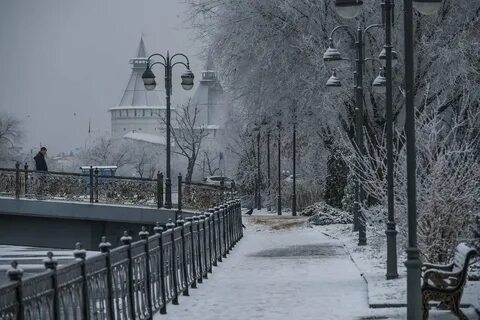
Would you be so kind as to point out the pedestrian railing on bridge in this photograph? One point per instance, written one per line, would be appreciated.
(133, 281)
(92, 187)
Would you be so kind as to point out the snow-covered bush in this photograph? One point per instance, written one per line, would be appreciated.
(321, 213)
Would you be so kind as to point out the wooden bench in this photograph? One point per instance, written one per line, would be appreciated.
(445, 283)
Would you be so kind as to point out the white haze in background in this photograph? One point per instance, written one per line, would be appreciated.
(63, 62)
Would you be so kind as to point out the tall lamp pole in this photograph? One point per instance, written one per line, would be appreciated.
(187, 83)
(294, 165)
(269, 205)
(413, 263)
(279, 171)
(259, 181)
(391, 231)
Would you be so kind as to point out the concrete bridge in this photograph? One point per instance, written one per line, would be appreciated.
(60, 224)
(84, 207)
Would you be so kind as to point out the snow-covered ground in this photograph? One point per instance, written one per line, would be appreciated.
(290, 271)
(371, 261)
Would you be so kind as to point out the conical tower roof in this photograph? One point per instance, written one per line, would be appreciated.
(135, 94)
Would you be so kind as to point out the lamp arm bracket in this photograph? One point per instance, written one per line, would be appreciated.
(157, 55)
(376, 25)
(157, 62)
(181, 62)
(343, 26)
(182, 55)
(375, 60)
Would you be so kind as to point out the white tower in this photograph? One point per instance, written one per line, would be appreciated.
(139, 113)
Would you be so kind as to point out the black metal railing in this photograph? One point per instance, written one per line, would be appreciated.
(91, 187)
(133, 281)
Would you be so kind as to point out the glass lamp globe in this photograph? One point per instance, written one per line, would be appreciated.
(334, 83)
(149, 79)
(348, 9)
(427, 7)
(187, 80)
(380, 83)
(383, 57)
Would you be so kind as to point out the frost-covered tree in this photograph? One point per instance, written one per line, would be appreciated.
(269, 50)
(188, 135)
(448, 171)
(107, 151)
(10, 135)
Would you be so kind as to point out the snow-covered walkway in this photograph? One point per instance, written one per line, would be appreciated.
(281, 274)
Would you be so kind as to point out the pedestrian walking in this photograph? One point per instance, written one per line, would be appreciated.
(41, 167)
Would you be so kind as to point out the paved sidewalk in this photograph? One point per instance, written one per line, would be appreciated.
(288, 272)
(283, 274)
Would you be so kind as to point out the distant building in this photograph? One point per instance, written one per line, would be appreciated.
(212, 109)
(139, 114)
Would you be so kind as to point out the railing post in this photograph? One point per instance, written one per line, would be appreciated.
(180, 223)
(51, 264)
(198, 261)
(25, 167)
(229, 226)
(127, 241)
(179, 192)
(91, 184)
(15, 274)
(205, 256)
(159, 190)
(171, 225)
(214, 237)
(96, 185)
(158, 229)
(192, 242)
(144, 236)
(17, 180)
(219, 228)
(80, 254)
(104, 247)
(208, 237)
(225, 230)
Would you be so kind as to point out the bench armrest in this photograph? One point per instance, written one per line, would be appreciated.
(446, 267)
(440, 279)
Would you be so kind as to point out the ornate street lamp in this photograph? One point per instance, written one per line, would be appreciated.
(149, 82)
(333, 56)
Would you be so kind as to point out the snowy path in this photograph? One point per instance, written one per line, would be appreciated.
(284, 274)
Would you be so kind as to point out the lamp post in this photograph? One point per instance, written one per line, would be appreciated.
(387, 56)
(265, 123)
(259, 182)
(187, 83)
(294, 165)
(279, 171)
(413, 263)
(333, 56)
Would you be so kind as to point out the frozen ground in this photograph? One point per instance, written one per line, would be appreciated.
(371, 261)
(288, 272)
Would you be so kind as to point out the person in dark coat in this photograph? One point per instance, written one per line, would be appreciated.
(40, 163)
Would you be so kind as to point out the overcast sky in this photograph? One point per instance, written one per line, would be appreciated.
(63, 62)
